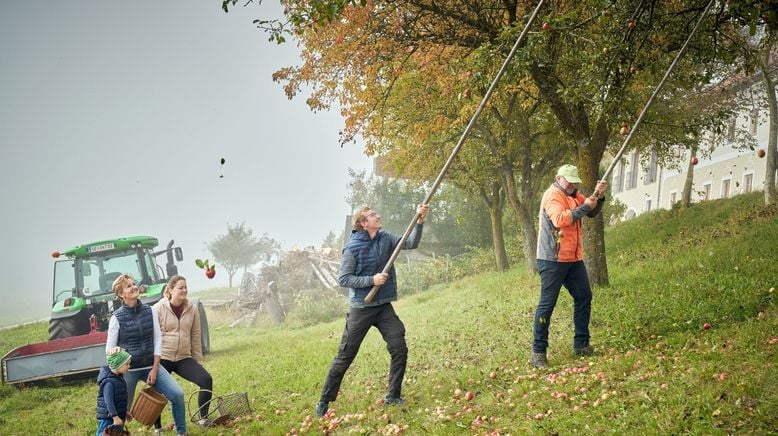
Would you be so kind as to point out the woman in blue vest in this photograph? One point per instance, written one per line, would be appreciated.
(135, 327)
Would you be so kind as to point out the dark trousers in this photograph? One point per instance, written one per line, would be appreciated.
(574, 277)
(190, 370)
(358, 322)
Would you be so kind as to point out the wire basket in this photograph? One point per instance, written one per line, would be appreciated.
(222, 409)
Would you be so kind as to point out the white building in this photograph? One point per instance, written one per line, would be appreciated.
(725, 171)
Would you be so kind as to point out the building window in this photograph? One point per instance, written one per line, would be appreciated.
(648, 205)
(632, 174)
(706, 192)
(618, 178)
(754, 121)
(748, 180)
(673, 195)
(725, 188)
(652, 169)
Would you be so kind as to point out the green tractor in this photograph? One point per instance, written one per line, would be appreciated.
(83, 300)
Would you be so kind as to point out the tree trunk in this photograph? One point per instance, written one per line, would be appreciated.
(495, 203)
(500, 255)
(769, 179)
(273, 304)
(593, 228)
(686, 196)
(525, 219)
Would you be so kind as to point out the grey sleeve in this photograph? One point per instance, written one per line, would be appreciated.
(414, 238)
(346, 277)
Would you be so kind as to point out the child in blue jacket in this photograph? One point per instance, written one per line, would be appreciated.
(112, 391)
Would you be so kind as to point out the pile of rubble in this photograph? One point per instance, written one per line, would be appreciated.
(274, 288)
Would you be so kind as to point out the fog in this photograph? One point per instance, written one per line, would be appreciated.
(114, 118)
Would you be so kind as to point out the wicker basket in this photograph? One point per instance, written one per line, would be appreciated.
(223, 409)
(148, 406)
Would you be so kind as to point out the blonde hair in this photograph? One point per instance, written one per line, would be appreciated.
(118, 284)
(359, 218)
(171, 283)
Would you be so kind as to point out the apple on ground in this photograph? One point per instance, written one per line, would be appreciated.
(706, 326)
(624, 130)
(546, 26)
(469, 395)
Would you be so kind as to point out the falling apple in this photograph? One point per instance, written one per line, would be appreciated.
(694, 160)
(210, 272)
(760, 153)
(706, 326)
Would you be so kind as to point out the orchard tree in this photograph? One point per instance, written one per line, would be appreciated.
(240, 248)
(592, 65)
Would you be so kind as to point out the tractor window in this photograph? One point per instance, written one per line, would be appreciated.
(151, 267)
(114, 266)
(91, 280)
(64, 280)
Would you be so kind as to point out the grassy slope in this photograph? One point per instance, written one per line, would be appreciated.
(659, 371)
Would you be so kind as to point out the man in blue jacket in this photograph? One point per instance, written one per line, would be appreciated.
(363, 258)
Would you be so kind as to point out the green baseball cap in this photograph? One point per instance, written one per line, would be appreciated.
(570, 173)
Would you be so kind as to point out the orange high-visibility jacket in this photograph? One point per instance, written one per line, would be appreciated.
(560, 237)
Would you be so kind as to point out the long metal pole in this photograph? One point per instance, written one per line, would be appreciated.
(454, 152)
(656, 92)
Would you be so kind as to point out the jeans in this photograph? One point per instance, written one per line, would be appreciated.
(358, 323)
(167, 386)
(189, 369)
(574, 277)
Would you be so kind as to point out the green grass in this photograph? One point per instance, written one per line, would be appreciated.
(659, 371)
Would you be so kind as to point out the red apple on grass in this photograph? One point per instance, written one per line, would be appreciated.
(546, 26)
(469, 395)
(706, 326)
(624, 130)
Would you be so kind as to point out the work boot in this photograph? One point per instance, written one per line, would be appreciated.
(539, 360)
(321, 408)
(390, 400)
(585, 351)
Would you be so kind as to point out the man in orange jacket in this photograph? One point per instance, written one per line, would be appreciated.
(560, 259)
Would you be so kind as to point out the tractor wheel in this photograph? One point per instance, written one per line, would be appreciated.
(204, 334)
(65, 328)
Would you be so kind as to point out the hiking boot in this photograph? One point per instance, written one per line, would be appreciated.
(585, 351)
(390, 400)
(321, 408)
(539, 360)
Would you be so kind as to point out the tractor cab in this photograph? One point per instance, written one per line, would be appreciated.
(83, 299)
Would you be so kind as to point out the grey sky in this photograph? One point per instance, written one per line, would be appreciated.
(113, 119)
